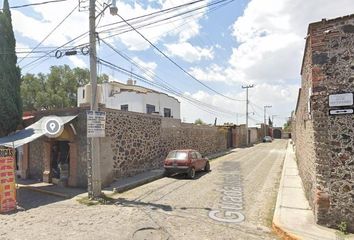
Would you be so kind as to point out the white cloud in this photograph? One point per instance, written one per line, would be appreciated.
(270, 36)
(77, 61)
(182, 27)
(148, 68)
(189, 53)
(279, 96)
(37, 25)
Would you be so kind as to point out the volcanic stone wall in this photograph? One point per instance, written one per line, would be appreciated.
(140, 142)
(135, 142)
(324, 142)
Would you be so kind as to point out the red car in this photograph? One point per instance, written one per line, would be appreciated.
(185, 161)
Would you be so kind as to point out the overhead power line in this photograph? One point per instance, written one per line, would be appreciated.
(51, 32)
(176, 64)
(36, 4)
(146, 24)
(143, 79)
(143, 18)
(164, 85)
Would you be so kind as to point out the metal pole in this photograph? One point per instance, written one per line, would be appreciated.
(94, 144)
(247, 87)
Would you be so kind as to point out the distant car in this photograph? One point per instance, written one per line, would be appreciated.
(186, 161)
(267, 139)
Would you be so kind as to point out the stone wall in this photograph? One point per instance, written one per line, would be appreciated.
(324, 143)
(140, 142)
(203, 138)
(35, 152)
(134, 143)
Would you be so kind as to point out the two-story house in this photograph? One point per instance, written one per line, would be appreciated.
(131, 97)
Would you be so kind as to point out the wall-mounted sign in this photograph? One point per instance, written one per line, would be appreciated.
(340, 100)
(341, 111)
(96, 124)
(7, 181)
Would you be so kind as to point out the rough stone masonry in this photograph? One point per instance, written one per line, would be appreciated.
(324, 142)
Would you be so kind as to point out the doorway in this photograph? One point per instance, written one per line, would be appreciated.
(60, 162)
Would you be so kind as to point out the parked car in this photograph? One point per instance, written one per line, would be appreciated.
(267, 139)
(187, 161)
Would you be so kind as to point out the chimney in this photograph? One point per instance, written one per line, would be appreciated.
(130, 82)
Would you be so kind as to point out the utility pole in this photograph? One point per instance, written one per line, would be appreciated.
(265, 120)
(247, 87)
(94, 171)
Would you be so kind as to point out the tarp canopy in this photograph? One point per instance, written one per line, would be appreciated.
(30, 133)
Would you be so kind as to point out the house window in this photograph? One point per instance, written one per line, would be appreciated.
(167, 112)
(83, 93)
(124, 107)
(150, 108)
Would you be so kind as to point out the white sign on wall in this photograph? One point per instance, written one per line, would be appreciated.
(341, 111)
(96, 124)
(339, 100)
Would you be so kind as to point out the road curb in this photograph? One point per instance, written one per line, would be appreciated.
(62, 195)
(281, 232)
(137, 183)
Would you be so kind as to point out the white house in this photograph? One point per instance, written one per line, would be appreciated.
(131, 97)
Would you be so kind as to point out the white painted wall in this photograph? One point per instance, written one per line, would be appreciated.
(136, 101)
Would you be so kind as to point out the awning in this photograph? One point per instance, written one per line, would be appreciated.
(30, 133)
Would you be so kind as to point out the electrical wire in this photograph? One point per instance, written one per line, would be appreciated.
(36, 4)
(162, 21)
(176, 64)
(154, 13)
(163, 83)
(141, 78)
(51, 32)
(83, 34)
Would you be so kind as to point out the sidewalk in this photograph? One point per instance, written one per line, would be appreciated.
(125, 184)
(118, 186)
(293, 217)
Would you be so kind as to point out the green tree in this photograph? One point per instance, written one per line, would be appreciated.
(57, 89)
(10, 76)
(199, 121)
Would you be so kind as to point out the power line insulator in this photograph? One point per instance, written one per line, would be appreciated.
(85, 50)
(58, 54)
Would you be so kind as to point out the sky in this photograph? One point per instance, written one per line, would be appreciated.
(222, 46)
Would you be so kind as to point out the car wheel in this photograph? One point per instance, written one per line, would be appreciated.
(207, 167)
(191, 173)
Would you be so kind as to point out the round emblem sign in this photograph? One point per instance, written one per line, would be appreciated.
(53, 127)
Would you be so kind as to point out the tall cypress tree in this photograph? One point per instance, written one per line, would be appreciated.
(10, 76)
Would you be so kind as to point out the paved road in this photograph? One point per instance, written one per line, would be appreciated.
(233, 201)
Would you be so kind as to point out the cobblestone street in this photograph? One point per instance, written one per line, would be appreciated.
(233, 201)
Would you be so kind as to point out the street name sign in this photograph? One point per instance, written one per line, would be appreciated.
(96, 124)
(341, 111)
(340, 100)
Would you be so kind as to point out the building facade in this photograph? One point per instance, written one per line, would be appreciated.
(134, 143)
(130, 97)
(323, 123)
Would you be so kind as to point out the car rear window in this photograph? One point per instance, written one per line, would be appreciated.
(178, 155)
